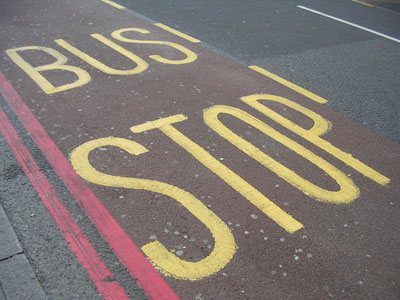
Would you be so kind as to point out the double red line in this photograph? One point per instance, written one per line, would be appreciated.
(137, 265)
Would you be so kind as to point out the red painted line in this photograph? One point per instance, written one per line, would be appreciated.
(133, 259)
(77, 241)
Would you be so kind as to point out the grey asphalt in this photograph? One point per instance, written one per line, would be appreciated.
(356, 71)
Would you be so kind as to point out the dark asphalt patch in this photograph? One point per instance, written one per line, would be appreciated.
(390, 6)
(12, 172)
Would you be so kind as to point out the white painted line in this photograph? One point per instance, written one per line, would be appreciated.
(349, 23)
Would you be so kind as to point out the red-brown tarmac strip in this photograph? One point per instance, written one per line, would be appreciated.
(343, 250)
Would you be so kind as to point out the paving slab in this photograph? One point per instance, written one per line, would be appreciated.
(9, 242)
(18, 280)
(2, 296)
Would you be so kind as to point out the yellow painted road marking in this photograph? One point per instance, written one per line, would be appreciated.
(113, 4)
(363, 3)
(164, 260)
(141, 64)
(347, 190)
(269, 208)
(289, 84)
(178, 33)
(59, 64)
(190, 55)
(313, 136)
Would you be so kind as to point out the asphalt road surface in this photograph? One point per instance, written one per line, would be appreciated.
(202, 149)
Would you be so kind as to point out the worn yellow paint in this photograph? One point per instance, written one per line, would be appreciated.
(320, 126)
(289, 84)
(164, 260)
(141, 65)
(363, 3)
(59, 64)
(178, 33)
(190, 55)
(231, 178)
(312, 135)
(113, 4)
(347, 190)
